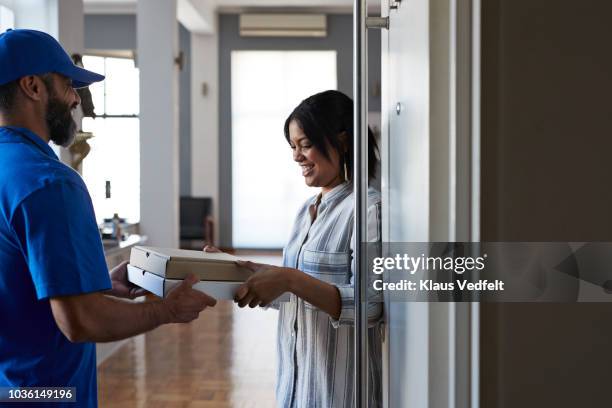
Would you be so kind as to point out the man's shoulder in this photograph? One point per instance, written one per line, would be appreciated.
(25, 173)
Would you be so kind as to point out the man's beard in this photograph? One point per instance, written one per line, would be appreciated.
(61, 125)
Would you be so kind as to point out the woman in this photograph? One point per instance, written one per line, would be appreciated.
(315, 328)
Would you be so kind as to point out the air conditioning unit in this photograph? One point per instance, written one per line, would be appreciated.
(283, 25)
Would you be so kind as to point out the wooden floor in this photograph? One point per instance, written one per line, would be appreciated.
(226, 358)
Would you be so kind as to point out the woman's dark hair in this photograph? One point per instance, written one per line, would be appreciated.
(323, 117)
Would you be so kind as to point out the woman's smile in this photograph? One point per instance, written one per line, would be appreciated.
(318, 169)
(307, 169)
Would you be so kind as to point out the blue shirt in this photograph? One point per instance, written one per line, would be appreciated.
(49, 246)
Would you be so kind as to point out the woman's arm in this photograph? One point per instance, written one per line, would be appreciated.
(272, 281)
(347, 290)
(269, 282)
(316, 292)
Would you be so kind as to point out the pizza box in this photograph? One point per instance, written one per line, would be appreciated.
(160, 286)
(178, 263)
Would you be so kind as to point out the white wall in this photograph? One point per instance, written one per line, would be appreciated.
(62, 19)
(7, 18)
(71, 25)
(205, 120)
(157, 39)
(32, 13)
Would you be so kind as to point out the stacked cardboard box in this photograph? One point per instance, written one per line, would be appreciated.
(158, 270)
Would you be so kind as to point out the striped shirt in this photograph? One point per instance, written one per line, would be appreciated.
(315, 352)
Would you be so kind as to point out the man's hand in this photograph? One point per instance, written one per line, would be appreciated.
(266, 284)
(95, 317)
(184, 304)
(121, 286)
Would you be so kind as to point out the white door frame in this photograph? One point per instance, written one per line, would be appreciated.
(451, 342)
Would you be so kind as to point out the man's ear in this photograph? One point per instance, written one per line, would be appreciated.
(33, 87)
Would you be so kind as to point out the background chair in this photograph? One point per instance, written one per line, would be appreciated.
(197, 226)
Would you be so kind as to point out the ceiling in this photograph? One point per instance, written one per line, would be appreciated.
(129, 6)
(198, 15)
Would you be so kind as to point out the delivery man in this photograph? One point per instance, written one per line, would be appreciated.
(54, 284)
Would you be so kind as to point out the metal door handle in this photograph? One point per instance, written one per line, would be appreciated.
(377, 22)
(360, 191)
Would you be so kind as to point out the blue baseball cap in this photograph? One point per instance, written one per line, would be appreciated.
(31, 52)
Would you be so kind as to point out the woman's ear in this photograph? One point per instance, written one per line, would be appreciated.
(343, 138)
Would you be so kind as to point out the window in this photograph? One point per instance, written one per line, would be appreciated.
(267, 186)
(115, 150)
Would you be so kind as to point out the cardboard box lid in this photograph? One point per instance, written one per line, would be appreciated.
(188, 255)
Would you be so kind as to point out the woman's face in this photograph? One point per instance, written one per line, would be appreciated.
(318, 170)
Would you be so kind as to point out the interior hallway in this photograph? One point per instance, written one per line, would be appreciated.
(226, 358)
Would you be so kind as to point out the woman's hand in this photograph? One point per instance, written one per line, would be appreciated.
(269, 282)
(266, 284)
(210, 248)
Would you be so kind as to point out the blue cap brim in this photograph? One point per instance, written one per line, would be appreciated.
(81, 77)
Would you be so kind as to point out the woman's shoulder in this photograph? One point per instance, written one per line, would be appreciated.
(374, 212)
(373, 198)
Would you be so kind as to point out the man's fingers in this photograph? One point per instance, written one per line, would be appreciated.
(137, 292)
(185, 303)
(246, 300)
(198, 299)
(253, 266)
(189, 317)
(119, 272)
(241, 292)
(254, 303)
(190, 280)
(245, 264)
(206, 299)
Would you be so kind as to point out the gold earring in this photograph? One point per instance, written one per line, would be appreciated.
(345, 172)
